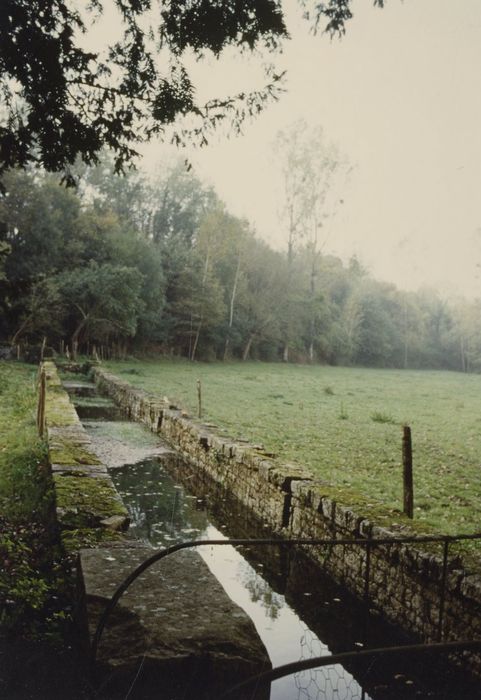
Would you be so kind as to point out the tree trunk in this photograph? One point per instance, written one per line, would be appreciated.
(231, 310)
(463, 355)
(247, 347)
(406, 344)
(23, 327)
(196, 339)
(75, 337)
(285, 353)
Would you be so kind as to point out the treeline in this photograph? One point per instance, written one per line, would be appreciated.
(162, 266)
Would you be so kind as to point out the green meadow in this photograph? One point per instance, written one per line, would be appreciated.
(20, 449)
(346, 425)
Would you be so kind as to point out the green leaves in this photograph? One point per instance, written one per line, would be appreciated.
(104, 299)
(63, 102)
(203, 24)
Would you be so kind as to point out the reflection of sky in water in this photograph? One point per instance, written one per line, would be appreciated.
(163, 513)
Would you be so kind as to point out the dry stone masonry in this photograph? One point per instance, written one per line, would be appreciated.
(406, 581)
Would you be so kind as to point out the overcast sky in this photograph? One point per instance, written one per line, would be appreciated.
(400, 95)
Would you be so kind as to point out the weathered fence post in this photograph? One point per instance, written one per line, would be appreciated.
(41, 403)
(408, 492)
(199, 397)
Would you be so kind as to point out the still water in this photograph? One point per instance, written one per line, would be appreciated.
(298, 612)
(163, 513)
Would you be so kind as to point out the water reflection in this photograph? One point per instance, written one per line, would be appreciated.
(163, 513)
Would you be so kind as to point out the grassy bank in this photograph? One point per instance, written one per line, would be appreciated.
(33, 609)
(24, 504)
(345, 424)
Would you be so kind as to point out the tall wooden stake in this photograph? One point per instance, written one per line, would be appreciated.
(408, 492)
(42, 390)
(199, 397)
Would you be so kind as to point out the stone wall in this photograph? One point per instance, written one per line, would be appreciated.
(406, 581)
(89, 511)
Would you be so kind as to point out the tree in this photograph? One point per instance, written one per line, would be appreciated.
(127, 197)
(41, 313)
(308, 166)
(179, 203)
(258, 305)
(198, 307)
(104, 301)
(379, 335)
(62, 101)
(223, 240)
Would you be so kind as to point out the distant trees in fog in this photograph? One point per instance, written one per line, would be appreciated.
(164, 267)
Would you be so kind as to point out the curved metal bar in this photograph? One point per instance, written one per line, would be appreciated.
(157, 556)
(319, 661)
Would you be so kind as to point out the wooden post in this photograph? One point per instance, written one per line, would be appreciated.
(42, 391)
(199, 397)
(408, 493)
(42, 349)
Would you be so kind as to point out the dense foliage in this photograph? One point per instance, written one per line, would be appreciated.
(135, 265)
(62, 100)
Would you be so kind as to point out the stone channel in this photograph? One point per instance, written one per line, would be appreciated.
(297, 610)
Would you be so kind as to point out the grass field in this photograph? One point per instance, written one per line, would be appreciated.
(25, 582)
(20, 448)
(345, 424)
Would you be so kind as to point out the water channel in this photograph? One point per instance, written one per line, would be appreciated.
(298, 612)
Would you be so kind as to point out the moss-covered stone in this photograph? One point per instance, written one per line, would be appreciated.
(72, 454)
(84, 502)
(59, 412)
(88, 538)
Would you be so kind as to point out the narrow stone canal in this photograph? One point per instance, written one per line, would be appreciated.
(297, 611)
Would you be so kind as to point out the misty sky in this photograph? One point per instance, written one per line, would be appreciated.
(400, 96)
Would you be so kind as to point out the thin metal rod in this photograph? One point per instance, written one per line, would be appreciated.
(367, 573)
(318, 661)
(442, 599)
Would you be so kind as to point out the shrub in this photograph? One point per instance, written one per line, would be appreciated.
(381, 417)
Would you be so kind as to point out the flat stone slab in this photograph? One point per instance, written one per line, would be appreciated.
(175, 628)
(115, 450)
(80, 388)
